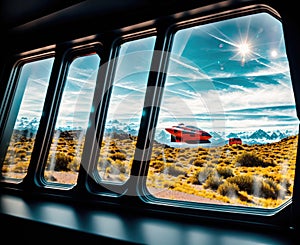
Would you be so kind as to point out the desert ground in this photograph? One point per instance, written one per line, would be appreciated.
(247, 175)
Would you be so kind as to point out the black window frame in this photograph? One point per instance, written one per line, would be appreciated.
(64, 61)
(244, 213)
(9, 107)
(136, 187)
(94, 183)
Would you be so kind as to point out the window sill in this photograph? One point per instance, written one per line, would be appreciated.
(30, 220)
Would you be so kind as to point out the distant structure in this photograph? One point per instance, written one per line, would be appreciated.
(235, 141)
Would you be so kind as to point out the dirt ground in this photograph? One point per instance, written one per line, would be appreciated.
(70, 178)
(177, 195)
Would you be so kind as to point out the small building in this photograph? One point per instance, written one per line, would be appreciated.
(235, 141)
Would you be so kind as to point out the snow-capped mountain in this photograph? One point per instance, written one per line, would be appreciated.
(115, 126)
(259, 136)
(262, 137)
(248, 137)
(24, 123)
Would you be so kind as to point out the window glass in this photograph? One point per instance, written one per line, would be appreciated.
(67, 144)
(125, 108)
(227, 130)
(29, 100)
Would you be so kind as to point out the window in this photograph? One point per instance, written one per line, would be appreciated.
(125, 110)
(25, 117)
(230, 79)
(226, 127)
(65, 153)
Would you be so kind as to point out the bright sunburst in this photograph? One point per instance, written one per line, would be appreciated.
(244, 50)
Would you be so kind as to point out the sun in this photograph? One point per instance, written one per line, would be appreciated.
(244, 50)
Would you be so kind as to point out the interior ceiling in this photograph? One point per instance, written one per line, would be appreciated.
(22, 15)
(44, 18)
(16, 13)
(21, 20)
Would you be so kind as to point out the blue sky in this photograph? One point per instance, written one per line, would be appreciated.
(228, 75)
(77, 96)
(35, 76)
(239, 73)
(78, 93)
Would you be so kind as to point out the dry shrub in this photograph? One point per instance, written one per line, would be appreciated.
(181, 159)
(251, 160)
(5, 169)
(269, 189)
(265, 188)
(215, 161)
(62, 161)
(104, 162)
(204, 173)
(225, 172)
(120, 166)
(199, 162)
(116, 169)
(202, 151)
(20, 167)
(226, 161)
(244, 182)
(157, 165)
(228, 189)
(213, 182)
(170, 159)
(191, 160)
(74, 164)
(238, 147)
(118, 155)
(174, 171)
(193, 179)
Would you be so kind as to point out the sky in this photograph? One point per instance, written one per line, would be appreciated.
(231, 75)
(77, 96)
(228, 75)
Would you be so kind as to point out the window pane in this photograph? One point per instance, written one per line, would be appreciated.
(125, 108)
(227, 130)
(72, 122)
(30, 95)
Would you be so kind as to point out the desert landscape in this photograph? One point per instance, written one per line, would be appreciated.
(247, 175)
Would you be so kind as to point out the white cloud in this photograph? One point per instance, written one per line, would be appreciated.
(265, 95)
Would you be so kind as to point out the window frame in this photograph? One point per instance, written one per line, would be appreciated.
(93, 180)
(164, 30)
(200, 207)
(10, 104)
(63, 64)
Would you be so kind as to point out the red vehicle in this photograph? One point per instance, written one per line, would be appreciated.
(235, 141)
(188, 134)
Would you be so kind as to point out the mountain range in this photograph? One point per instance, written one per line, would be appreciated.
(258, 136)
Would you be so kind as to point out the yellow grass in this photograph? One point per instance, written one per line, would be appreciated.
(216, 173)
